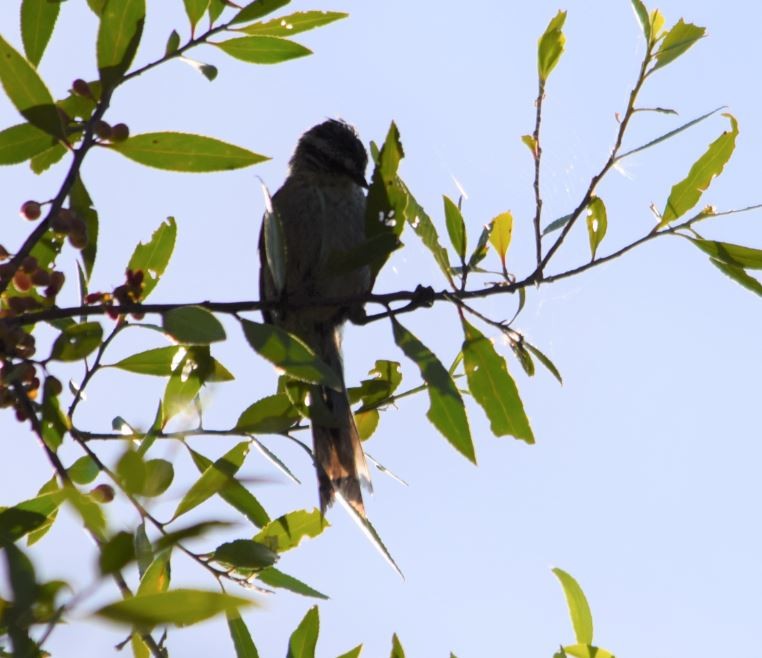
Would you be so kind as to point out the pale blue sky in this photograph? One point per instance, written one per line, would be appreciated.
(644, 480)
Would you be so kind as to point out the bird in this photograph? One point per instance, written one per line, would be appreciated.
(321, 212)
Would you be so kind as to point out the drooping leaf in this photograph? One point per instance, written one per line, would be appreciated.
(732, 254)
(680, 37)
(213, 479)
(481, 250)
(550, 46)
(542, 358)
(207, 70)
(304, 639)
(274, 578)
(597, 223)
(446, 410)
(38, 19)
(300, 21)
(81, 203)
(686, 193)
(501, 233)
(493, 387)
(77, 341)
(367, 422)
(424, 228)
(579, 610)
(456, 227)
(257, 9)
(22, 142)
(153, 257)
(27, 91)
(263, 50)
(285, 532)
(239, 633)
(739, 275)
(645, 22)
(270, 415)
(186, 152)
(289, 353)
(121, 28)
(235, 494)
(193, 325)
(181, 607)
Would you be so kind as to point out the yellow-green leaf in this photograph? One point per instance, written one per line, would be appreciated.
(300, 21)
(38, 18)
(597, 223)
(550, 46)
(119, 34)
(579, 610)
(263, 50)
(500, 235)
(456, 227)
(680, 37)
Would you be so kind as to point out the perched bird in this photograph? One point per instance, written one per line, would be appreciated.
(321, 210)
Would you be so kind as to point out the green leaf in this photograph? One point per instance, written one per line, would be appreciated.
(157, 576)
(160, 361)
(274, 578)
(186, 381)
(27, 516)
(493, 387)
(579, 610)
(456, 227)
(195, 9)
(290, 354)
(38, 18)
(207, 70)
(500, 235)
(119, 35)
(300, 21)
(557, 224)
(235, 494)
(270, 415)
(77, 341)
(531, 143)
(245, 554)
(285, 532)
(385, 378)
(159, 474)
(116, 553)
(84, 470)
(550, 46)
(213, 479)
(193, 325)
(304, 639)
(46, 159)
(81, 203)
(424, 228)
(739, 275)
(367, 422)
(686, 193)
(480, 250)
(153, 257)
(257, 9)
(681, 37)
(731, 254)
(387, 199)
(263, 50)
(186, 152)
(239, 633)
(586, 651)
(397, 650)
(27, 91)
(597, 223)
(645, 22)
(173, 43)
(181, 607)
(143, 549)
(88, 510)
(545, 361)
(216, 7)
(21, 142)
(352, 653)
(96, 6)
(446, 410)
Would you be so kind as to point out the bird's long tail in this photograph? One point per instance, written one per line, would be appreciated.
(339, 457)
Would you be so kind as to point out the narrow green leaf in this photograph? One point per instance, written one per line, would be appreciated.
(257, 9)
(27, 91)
(579, 610)
(239, 633)
(263, 50)
(160, 361)
(38, 18)
(143, 549)
(732, 254)
(586, 651)
(557, 224)
(235, 494)
(289, 353)
(456, 227)
(181, 607)
(397, 650)
(501, 233)
(195, 9)
(116, 553)
(446, 410)
(304, 639)
(27, 516)
(156, 578)
(493, 387)
(274, 578)
(193, 325)
(424, 228)
(597, 223)
(186, 152)
(22, 142)
(213, 479)
(139, 647)
(545, 361)
(352, 653)
(186, 380)
(153, 257)
(686, 193)
(739, 275)
(270, 415)
(173, 43)
(550, 46)
(681, 37)
(77, 341)
(481, 250)
(84, 470)
(287, 531)
(81, 203)
(119, 35)
(216, 7)
(300, 21)
(645, 22)
(96, 6)
(245, 554)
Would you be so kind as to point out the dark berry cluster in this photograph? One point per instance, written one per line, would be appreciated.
(129, 292)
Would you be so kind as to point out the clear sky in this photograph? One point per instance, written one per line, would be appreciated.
(644, 482)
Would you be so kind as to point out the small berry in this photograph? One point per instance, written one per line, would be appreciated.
(22, 281)
(119, 132)
(61, 223)
(29, 264)
(102, 129)
(78, 239)
(53, 386)
(103, 493)
(40, 277)
(79, 86)
(31, 210)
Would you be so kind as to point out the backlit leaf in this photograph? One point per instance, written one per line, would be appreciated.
(270, 415)
(456, 227)
(597, 223)
(77, 341)
(285, 532)
(304, 639)
(239, 633)
(300, 21)
(38, 18)
(21, 142)
(193, 325)
(551, 46)
(153, 257)
(681, 36)
(121, 27)
(257, 9)
(263, 50)
(274, 578)
(579, 610)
